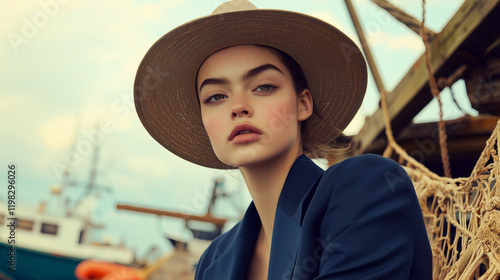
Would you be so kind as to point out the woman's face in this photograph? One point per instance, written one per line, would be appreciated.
(249, 106)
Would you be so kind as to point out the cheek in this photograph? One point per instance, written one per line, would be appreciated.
(213, 128)
(281, 116)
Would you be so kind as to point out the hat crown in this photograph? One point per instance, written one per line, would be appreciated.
(234, 6)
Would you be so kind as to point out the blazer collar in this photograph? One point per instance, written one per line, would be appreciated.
(233, 262)
(295, 195)
(293, 202)
(292, 205)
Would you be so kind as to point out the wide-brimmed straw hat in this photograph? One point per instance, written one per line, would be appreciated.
(165, 86)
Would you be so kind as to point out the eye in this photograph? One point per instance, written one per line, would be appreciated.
(214, 98)
(265, 88)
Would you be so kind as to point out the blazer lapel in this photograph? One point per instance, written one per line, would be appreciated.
(233, 263)
(286, 234)
(294, 200)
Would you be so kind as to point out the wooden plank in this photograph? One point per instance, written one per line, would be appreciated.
(365, 46)
(467, 137)
(206, 218)
(412, 23)
(462, 127)
(179, 267)
(467, 36)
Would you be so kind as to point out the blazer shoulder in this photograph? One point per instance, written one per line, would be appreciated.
(371, 216)
(358, 176)
(364, 160)
(364, 165)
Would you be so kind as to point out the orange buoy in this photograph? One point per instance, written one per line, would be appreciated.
(94, 270)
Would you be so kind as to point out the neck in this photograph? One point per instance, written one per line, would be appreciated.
(265, 182)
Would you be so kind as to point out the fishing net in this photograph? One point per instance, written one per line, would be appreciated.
(462, 215)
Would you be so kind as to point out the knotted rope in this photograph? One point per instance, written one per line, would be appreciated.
(435, 92)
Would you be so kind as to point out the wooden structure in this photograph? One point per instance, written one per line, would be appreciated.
(466, 139)
(177, 266)
(468, 40)
(461, 214)
(208, 218)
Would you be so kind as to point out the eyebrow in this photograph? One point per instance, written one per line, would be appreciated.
(250, 74)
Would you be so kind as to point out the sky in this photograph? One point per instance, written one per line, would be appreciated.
(66, 81)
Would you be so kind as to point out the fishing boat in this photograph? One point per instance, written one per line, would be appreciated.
(50, 246)
(46, 244)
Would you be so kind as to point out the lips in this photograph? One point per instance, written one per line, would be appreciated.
(244, 133)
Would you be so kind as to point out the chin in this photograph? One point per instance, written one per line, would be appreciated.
(240, 161)
(254, 153)
(248, 158)
(241, 156)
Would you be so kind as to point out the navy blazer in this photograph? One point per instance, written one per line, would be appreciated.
(359, 219)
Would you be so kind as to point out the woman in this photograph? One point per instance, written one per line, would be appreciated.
(261, 90)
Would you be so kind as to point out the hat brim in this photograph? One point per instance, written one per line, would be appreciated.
(165, 85)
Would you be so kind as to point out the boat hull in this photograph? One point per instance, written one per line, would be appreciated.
(36, 265)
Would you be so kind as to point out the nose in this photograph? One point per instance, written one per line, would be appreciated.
(241, 107)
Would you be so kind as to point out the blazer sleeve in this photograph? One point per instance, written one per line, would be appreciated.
(371, 222)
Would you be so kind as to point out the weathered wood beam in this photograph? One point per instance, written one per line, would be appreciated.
(188, 217)
(466, 38)
(459, 129)
(466, 141)
(365, 46)
(410, 22)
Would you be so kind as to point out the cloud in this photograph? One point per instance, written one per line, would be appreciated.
(12, 18)
(50, 134)
(393, 42)
(320, 2)
(356, 124)
(406, 42)
(330, 18)
(8, 101)
(149, 165)
(128, 188)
